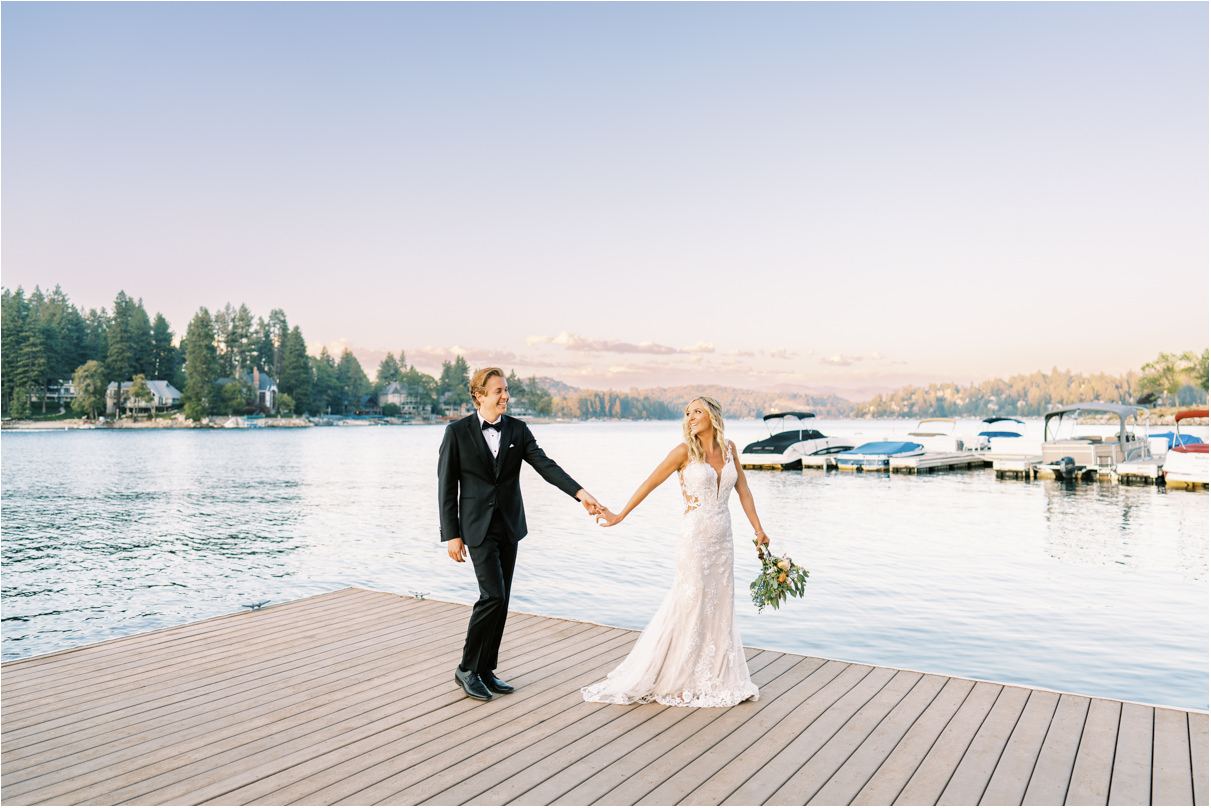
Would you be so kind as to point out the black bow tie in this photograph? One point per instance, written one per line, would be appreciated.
(495, 426)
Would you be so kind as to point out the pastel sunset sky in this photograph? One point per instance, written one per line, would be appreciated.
(843, 197)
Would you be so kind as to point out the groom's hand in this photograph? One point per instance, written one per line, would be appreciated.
(457, 550)
(589, 502)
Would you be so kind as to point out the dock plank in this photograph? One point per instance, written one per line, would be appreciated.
(1198, 754)
(927, 783)
(823, 765)
(348, 698)
(885, 785)
(1052, 773)
(1094, 763)
(1131, 779)
(844, 786)
(1009, 780)
(1172, 778)
(971, 776)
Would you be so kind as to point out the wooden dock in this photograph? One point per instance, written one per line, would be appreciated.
(349, 698)
(937, 461)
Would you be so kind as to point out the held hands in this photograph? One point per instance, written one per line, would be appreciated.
(589, 502)
(608, 518)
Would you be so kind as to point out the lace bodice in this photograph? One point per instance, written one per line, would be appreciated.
(702, 486)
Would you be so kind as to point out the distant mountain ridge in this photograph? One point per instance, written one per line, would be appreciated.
(737, 402)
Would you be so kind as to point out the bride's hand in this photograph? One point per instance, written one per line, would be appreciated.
(608, 518)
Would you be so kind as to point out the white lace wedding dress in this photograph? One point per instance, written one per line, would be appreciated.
(690, 653)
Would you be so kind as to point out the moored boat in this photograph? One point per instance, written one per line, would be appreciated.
(1076, 446)
(937, 435)
(790, 440)
(1186, 464)
(877, 455)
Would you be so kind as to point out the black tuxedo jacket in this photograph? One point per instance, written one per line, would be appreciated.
(471, 485)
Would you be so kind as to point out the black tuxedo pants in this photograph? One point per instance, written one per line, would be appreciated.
(494, 560)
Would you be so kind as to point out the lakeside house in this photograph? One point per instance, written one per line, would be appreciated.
(408, 401)
(163, 396)
(264, 390)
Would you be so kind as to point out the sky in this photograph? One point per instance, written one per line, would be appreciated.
(829, 197)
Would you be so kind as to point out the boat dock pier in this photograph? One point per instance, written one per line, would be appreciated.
(937, 461)
(349, 697)
(1014, 466)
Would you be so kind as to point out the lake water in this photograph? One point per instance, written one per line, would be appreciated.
(1096, 589)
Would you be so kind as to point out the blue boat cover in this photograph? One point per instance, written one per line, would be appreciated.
(1173, 438)
(995, 434)
(884, 447)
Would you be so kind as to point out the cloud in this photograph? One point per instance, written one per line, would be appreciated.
(436, 355)
(780, 353)
(700, 348)
(845, 360)
(575, 342)
(735, 352)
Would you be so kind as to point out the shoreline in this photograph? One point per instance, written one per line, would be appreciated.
(1160, 417)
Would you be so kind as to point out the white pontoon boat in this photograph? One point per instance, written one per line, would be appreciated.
(790, 440)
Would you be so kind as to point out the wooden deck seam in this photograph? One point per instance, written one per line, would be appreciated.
(205, 646)
(384, 661)
(212, 677)
(1034, 763)
(870, 731)
(841, 727)
(419, 714)
(610, 652)
(205, 625)
(183, 693)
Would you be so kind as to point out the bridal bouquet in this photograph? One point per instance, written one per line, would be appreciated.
(779, 578)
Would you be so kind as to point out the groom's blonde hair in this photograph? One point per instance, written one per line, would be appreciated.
(695, 445)
(479, 382)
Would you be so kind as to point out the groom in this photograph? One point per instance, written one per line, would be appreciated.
(479, 498)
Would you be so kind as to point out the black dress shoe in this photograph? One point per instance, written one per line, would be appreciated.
(472, 685)
(495, 685)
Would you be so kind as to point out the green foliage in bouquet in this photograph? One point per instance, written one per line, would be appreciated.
(779, 578)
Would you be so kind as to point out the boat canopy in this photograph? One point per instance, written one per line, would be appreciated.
(1181, 416)
(926, 427)
(996, 419)
(885, 447)
(1123, 411)
(774, 415)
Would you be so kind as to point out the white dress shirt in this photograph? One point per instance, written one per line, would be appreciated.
(492, 436)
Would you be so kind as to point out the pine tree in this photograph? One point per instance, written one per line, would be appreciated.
(350, 377)
(201, 365)
(14, 315)
(388, 371)
(241, 340)
(279, 329)
(142, 350)
(325, 390)
(296, 369)
(164, 355)
(120, 356)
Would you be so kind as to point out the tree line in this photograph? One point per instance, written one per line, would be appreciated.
(1177, 379)
(47, 340)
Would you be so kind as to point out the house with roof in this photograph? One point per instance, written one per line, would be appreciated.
(163, 396)
(408, 401)
(264, 390)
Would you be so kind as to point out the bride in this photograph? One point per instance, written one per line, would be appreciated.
(690, 653)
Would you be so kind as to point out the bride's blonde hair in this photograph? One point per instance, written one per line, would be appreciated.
(695, 445)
